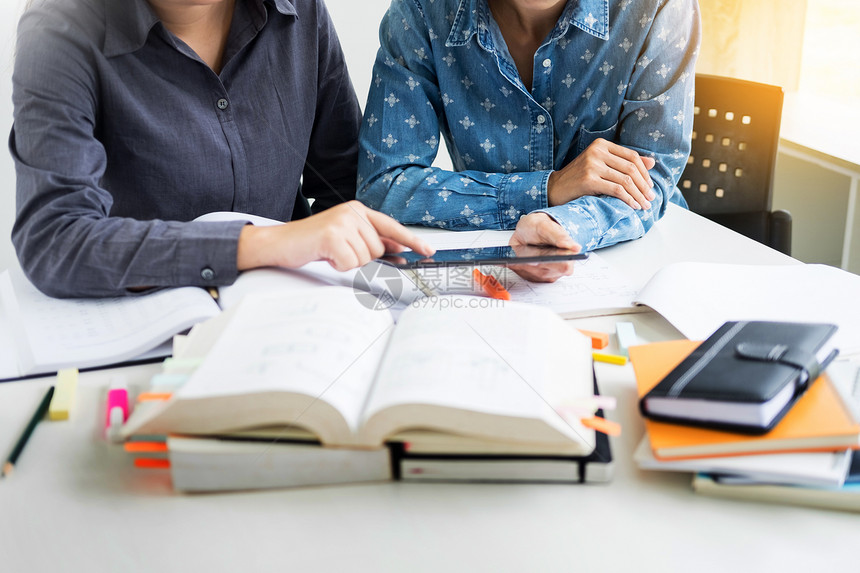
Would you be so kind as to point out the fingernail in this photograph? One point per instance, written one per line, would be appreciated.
(651, 195)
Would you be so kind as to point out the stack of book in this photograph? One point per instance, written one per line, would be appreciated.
(316, 387)
(742, 441)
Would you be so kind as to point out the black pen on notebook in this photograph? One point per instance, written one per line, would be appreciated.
(25, 435)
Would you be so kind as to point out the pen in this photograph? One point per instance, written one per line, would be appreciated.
(31, 425)
(491, 285)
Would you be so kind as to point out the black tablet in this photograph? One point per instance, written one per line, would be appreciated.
(506, 255)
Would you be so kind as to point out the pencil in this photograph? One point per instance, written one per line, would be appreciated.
(31, 425)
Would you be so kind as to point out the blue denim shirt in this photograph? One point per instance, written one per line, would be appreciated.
(618, 70)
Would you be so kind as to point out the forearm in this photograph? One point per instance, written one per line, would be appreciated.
(454, 200)
(77, 256)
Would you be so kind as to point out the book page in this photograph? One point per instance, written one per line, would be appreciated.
(322, 342)
(595, 288)
(390, 286)
(697, 298)
(484, 356)
(56, 333)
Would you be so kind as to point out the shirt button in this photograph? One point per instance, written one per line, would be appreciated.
(222, 104)
(541, 119)
(207, 274)
(547, 63)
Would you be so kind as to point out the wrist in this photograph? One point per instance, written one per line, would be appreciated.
(252, 250)
(550, 189)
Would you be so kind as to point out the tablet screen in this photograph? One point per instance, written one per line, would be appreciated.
(506, 255)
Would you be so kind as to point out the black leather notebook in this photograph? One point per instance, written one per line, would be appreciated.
(744, 377)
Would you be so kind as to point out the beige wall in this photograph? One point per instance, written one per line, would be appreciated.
(757, 40)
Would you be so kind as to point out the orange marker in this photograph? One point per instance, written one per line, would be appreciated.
(603, 425)
(491, 285)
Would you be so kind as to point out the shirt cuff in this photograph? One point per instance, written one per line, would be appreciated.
(208, 253)
(578, 222)
(522, 193)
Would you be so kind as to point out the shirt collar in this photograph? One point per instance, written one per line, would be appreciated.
(128, 23)
(591, 16)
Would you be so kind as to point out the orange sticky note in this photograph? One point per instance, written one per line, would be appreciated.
(152, 464)
(603, 425)
(153, 396)
(145, 447)
(491, 285)
(599, 340)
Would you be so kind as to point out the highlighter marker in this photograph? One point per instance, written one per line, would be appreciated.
(116, 411)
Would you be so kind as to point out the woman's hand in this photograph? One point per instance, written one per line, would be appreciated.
(604, 168)
(541, 229)
(347, 236)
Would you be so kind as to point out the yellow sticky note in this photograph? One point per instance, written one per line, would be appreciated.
(64, 394)
(609, 358)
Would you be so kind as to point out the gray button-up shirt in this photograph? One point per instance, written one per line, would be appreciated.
(122, 135)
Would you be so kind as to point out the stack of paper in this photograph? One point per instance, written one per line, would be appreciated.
(808, 458)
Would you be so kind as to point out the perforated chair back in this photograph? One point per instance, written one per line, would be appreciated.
(729, 175)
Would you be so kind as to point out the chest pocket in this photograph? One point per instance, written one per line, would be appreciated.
(586, 137)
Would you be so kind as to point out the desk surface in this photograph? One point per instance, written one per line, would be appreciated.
(76, 504)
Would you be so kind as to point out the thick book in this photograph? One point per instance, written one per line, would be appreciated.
(325, 363)
(428, 457)
(821, 420)
(744, 377)
(550, 467)
(212, 465)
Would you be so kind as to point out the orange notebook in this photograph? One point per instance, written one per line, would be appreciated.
(818, 421)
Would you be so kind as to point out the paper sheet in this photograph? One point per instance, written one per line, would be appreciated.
(697, 298)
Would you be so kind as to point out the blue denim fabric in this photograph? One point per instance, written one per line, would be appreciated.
(618, 70)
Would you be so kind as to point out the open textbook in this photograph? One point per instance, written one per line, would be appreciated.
(321, 361)
(42, 334)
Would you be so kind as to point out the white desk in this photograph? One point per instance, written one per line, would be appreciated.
(76, 504)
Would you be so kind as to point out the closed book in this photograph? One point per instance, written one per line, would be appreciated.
(820, 420)
(428, 457)
(597, 467)
(744, 377)
(844, 498)
(211, 465)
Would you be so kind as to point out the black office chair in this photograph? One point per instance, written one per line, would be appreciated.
(729, 175)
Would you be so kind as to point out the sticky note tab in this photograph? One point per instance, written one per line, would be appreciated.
(168, 382)
(154, 396)
(603, 425)
(599, 340)
(65, 390)
(609, 358)
(145, 447)
(626, 335)
(152, 463)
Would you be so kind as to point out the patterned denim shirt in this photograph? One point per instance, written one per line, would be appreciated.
(618, 70)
